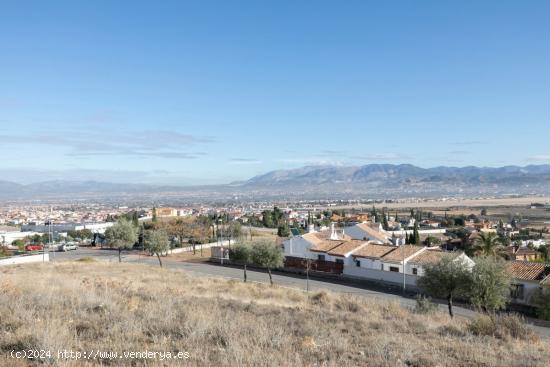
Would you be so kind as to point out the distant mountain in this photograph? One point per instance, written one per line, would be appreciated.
(313, 182)
(405, 179)
(389, 174)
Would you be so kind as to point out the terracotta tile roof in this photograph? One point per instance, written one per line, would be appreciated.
(347, 247)
(528, 270)
(373, 250)
(325, 246)
(373, 233)
(432, 256)
(401, 252)
(321, 241)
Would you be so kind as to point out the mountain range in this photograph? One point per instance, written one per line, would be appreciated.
(313, 182)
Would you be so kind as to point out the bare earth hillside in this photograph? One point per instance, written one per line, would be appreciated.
(99, 309)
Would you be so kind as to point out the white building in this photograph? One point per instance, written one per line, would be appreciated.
(527, 278)
(66, 227)
(369, 232)
(337, 252)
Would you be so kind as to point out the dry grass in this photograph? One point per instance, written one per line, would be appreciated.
(128, 307)
(188, 255)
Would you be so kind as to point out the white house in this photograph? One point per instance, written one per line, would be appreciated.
(369, 232)
(416, 264)
(527, 278)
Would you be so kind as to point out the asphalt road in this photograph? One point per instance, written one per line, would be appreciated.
(281, 279)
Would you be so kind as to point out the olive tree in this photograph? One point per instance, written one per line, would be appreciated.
(157, 243)
(242, 254)
(122, 235)
(446, 279)
(541, 300)
(267, 255)
(490, 284)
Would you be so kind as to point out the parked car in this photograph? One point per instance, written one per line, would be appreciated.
(68, 247)
(34, 247)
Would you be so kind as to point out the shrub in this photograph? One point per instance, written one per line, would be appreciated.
(424, 305)
(541, 300)
(87, 259)
(482, 325)
(502, 326)
(320, 298)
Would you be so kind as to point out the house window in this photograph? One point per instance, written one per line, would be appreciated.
(321, 257)
(358, 263)
(395, 269)
(516, 291)
(415, 271)
(339, 261)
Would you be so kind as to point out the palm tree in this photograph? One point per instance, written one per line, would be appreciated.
(489, 244)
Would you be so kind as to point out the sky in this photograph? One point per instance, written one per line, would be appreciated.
(206, 92)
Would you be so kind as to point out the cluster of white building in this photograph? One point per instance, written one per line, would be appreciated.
(366, 251)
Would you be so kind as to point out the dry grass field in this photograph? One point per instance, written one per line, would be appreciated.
(110, 307)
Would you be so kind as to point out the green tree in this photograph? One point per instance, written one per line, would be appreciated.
(432, 241)
(385, 224)
(447, 279)
(541, 300)
(19, 243)
(283, 230)
(416, 235)
(544, 250)
(235, 231)
(488, 243)
(155, 219)
(267, 255)
(122, 235)
(490, 284)
(267, 219)
(241, 254)
(157, 243)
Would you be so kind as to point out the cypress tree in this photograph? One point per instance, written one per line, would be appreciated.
(416, 235)
(385, 224)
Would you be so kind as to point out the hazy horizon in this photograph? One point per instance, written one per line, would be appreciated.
(30, 176)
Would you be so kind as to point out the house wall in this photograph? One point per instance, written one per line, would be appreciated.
(298, 247)
(528, 289)
(368, 263)
(381, 276)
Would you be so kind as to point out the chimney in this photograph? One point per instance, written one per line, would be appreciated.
(333, 235)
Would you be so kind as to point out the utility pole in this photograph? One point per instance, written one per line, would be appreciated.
(221, 242)
(404, 276)
(308, 265)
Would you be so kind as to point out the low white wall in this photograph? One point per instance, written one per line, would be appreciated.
(379, 275)
(25, 259)
(197, 247)
(420, 231)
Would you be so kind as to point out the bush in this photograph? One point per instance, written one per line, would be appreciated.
(502, 327)
(482, 325)
(87, 259)
(541, 300)
(424, 306)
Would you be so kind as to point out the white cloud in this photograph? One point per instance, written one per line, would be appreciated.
(540, 158)
(244, 161)
(86, 143)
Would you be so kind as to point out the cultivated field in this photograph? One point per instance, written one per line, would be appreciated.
(110, 307)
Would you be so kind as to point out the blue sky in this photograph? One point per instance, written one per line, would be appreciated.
(195, 92)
